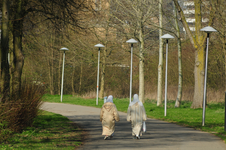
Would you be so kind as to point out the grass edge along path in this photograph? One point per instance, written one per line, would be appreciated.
(183, 116)
(49, 131)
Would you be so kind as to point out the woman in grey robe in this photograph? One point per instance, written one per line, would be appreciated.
(108, 116)
(136, 115)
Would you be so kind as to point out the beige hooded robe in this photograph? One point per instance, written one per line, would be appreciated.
(108, 116)
(136, 115)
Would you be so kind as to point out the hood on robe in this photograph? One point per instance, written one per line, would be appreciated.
(136, 100)
(109, 106)
(109, 99)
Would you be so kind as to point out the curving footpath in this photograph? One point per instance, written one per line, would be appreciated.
(160, 135)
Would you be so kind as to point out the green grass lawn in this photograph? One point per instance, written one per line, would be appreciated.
(185, 116)
(49, 132)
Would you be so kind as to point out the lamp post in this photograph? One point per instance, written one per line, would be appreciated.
(208, 30)
(167, 37)
(98, 45)
(131, 41)
(62, 82)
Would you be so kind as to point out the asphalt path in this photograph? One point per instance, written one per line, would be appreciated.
(160, 135)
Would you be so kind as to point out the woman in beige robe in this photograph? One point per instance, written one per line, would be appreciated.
(136, 115)
(108, 116)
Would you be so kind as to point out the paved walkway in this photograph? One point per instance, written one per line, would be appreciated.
(160, 135)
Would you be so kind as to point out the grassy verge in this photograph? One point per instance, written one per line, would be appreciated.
(185, 116)
(49, 131)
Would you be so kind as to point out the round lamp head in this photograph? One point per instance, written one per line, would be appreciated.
(208, 29)
(167, 36)
(99, 45)
(64, 49)
(131, 41)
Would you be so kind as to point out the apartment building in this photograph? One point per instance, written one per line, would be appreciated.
(188, 7)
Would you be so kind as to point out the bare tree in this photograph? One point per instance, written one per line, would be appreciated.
(18, 58)
(5, 80)
(133, 17)
(60, 13)
(160, 66)
(197, 39)
(220, 25)
(180, 75)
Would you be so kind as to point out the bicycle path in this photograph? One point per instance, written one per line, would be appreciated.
(160, 135)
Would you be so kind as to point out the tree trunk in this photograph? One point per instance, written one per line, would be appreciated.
(72, 81)
(199, 59)
(103, 67)
(52, 71)
(50, 74)
(11, 59)
(50, 64)
(159, 92)
(5, 79)
(49, 68)
(223, 33)
(197, 41)
(199, 78)
(141, 65)
(80, 79)
(59, 74)
(180, 77)
(224, 50)
(18, 61)
(103, 72)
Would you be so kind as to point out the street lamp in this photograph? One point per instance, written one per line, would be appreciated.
(167, 37)
(131, 41)
(98, 45)
(62, 82)
(208, 30)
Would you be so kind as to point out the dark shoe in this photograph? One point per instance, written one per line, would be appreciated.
(138, 137)
(106, 137)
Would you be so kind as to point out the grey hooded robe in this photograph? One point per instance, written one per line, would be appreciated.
(136, 115)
